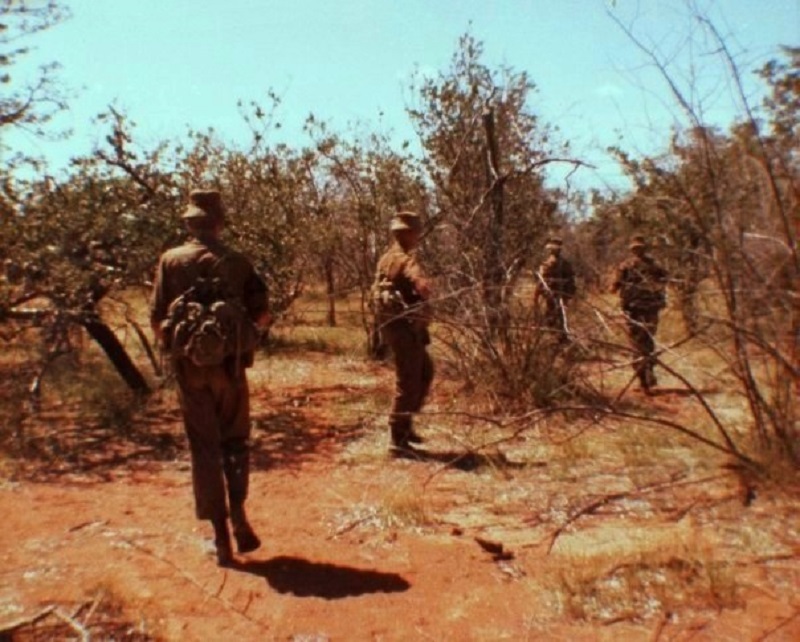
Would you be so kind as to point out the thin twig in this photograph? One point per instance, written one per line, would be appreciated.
(74, 625)
(92, 608)
(350, 526)
(227, 604)
(775, 629)
(607, 499)
(16, 624)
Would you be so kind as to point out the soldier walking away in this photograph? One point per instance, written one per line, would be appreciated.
(555, 283)
(212, 383)
(641, 283)
(401, 294)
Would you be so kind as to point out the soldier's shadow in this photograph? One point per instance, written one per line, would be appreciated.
(304, 578)
(662, 391)
(466, 461)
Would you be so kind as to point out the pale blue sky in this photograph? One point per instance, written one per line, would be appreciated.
(177, 63)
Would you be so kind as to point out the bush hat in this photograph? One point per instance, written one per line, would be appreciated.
(206, 205)
(637, 241)
(406, 221)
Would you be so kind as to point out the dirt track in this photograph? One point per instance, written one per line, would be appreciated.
(358, 546)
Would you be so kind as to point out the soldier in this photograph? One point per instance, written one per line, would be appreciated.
(214, 399)
(401, 291)
(555, 282)
(641, 283)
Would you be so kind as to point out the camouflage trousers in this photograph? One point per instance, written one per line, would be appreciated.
(215, 402)
(642, 326)
(413, 375)
(555, 320)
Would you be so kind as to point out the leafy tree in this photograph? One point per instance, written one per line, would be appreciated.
(29, 103)
(358, 185)
(72, 244)
(489, 212)
(483, 153)
(69, 245)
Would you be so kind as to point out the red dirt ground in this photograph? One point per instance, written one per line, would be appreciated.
(112, 527)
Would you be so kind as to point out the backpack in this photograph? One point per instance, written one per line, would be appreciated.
(387, 301)
(390, 307)
(206, 326)
(641, 289)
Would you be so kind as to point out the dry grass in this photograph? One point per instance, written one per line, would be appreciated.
(642, 553)
(610, 520)
(102, 616)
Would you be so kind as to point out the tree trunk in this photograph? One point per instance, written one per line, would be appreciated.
(116, 353)
(330, 289)
(493, 275)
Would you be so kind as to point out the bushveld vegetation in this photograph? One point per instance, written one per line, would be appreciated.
(721, 206)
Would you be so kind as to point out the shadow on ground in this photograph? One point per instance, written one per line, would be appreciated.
(683, 392)
(293, 428)
(304, 578)
(466, 461)
(59, 445)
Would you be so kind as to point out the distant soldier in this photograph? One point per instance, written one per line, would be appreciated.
(212, 384)
(555, 283)
(641, 283)
(401, 294)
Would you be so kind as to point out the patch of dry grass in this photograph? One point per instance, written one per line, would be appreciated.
(613, 520)
(103, 616)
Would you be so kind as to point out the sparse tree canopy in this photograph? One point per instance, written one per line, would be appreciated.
(720, 204)
(28, 100)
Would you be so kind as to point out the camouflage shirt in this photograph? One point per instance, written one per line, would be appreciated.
(403, 272)
(556, 278)
(641, 283)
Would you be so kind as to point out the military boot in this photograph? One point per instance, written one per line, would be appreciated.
(400, 428)
(652, 382)
(413, 436)
(222, 542)
(640, 367)
(236, 466)
(246, 539)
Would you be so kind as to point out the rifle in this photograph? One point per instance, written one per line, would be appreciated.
(560, 301)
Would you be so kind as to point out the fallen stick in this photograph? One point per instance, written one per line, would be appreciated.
(16, 624)
(73, 624)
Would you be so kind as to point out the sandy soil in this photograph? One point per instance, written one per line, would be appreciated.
(360, 546)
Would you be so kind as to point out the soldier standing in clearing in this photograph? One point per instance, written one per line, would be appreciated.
(641, 283)
(555, 282)
(401, 291)
(214, 399)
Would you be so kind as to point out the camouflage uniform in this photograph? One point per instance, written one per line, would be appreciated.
(405, 331)
(214, 400)
(555, 281)
(641, 283)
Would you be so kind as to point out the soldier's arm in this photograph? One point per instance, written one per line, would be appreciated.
(539, 276)
(158, 302)
(256, 299)
(619, 275)
(422, 284)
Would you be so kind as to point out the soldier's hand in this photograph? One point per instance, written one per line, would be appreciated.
(264, 320)
(158, 332)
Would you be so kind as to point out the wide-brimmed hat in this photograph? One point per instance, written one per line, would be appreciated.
(637, 241)
(554, 243)
(406, 221)
(205, 204)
